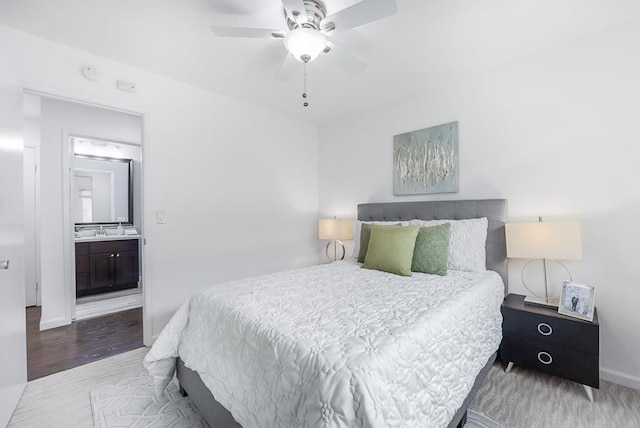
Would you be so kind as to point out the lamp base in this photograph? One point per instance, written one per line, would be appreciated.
(550, 302)
(335, 255)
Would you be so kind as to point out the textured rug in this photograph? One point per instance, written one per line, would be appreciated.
(62, 399)
(530, 399)
(520, 399)
(476, 419)
(133, 402)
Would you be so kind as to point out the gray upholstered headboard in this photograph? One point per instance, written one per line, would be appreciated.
(495, 210)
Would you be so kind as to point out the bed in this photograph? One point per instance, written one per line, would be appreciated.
(337, 358)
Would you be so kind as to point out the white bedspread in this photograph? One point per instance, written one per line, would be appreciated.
(337, 346)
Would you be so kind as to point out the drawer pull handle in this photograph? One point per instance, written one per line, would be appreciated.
(545, 329)
(547, 358)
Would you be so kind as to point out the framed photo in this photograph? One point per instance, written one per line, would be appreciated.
(577, 300)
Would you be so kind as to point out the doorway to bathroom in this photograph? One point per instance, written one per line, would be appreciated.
(86, 282)
(105, 188)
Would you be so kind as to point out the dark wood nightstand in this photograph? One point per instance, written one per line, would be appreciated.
(541, 338)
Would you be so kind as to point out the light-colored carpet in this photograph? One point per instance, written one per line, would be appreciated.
(520, 399)
(132, 402)
(476, 419)
(530, 399)
(62, 399)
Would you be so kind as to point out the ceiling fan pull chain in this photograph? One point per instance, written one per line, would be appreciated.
(304, 93)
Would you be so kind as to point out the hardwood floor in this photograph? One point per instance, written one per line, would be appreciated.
(82, 342)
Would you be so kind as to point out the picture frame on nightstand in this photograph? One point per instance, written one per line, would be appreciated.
(577, 300)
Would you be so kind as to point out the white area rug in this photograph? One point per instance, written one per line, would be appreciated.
(62, 399)
(522, 398)
(132, 402)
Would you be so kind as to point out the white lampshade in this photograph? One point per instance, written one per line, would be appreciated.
(335, 229)
(544, 240)
(305, 41)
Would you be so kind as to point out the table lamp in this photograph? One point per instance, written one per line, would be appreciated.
(544, 241)
(335, 230)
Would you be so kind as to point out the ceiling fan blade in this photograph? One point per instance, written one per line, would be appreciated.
(286, 68)
(345, 60)
(359, 14)
(295, 10)
(253, 33)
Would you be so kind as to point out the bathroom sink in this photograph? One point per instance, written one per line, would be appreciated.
(86, 238)
(105, 238)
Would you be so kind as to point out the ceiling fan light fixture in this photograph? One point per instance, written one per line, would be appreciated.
(305, 43)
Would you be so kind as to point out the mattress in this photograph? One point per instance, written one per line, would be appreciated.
(336, 345)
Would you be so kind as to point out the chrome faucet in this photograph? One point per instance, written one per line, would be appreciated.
(101, 231)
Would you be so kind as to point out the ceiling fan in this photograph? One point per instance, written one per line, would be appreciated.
(308, 27)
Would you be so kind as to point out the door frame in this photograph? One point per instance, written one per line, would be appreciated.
(68, 151)
(69, 250)
(36, 225)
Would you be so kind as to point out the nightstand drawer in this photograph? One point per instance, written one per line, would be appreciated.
(551, 331)
(556, 360)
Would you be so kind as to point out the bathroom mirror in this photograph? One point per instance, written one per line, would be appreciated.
(102, 190)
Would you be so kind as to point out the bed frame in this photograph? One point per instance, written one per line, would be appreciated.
(494, 209)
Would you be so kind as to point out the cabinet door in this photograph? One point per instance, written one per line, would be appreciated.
(82, 275)
(126, 269)
(101, 271)
(82, 269)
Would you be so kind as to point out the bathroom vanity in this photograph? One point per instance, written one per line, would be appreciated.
(106, 263)
(107, 256)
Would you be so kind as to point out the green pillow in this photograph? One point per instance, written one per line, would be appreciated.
(391, 249)
(431, 253)
(365, 236)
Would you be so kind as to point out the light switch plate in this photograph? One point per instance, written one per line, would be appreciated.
(162, 217)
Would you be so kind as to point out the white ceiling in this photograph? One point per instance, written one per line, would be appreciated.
(425, 43)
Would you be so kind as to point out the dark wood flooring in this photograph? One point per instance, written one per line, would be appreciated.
(80, 343)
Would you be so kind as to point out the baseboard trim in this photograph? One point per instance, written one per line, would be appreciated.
(153, 340)
(9, 398)
(620, 378)
(56, 322)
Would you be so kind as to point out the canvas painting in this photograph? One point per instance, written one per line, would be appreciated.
(426, 161)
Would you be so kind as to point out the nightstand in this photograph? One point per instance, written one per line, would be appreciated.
(542, 339)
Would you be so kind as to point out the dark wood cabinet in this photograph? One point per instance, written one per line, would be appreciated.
(82, 268)
(542, 339)
(104, 266)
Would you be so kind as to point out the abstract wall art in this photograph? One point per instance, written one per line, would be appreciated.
(426, 161)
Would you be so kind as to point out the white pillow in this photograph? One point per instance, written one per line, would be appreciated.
(467, 242)
(357, 227)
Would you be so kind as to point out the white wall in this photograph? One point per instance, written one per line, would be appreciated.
(557, 135)
(238, 183)
(58, 116)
